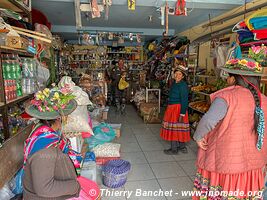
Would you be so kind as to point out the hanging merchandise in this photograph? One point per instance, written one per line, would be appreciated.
(131, 37)
(97, 40)
(107, 4)
(121, 39)
(162, 11)
(110, 36)
(180, 8)
(138, 38)
(167, 18)
(131, 4)
(95, 9)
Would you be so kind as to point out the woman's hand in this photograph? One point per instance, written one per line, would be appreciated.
(181, 119)
(202, 144)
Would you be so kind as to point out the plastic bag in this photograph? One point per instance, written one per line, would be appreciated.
(78, 121)
(16, 182)
(5, 193)
(103, 133)
(107, 150)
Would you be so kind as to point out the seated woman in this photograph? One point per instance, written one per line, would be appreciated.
(49, 171)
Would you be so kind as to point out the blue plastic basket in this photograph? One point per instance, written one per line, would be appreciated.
(115, 173)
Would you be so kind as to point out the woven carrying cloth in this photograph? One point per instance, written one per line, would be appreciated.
(115, 173)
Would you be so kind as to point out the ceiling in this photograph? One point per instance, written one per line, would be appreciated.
(62, 16)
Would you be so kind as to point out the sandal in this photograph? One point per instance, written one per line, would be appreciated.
(170, 152)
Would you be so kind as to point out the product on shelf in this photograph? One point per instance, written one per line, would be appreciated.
(29, 73)
(12, 76)
(204, 88)
(201, 106)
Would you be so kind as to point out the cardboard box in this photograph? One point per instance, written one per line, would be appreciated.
(117, 128)
(14, 42)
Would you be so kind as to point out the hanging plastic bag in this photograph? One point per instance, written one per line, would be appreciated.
(16, 182)
(103, 133)
(5, 193)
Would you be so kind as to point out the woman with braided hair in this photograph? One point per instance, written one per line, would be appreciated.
(232, 148)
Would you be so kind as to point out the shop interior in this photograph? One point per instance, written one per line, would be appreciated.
(44, 41)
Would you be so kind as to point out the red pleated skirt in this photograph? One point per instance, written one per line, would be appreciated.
(171, 129)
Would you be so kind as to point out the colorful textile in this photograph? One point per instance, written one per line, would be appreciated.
(172, 130)
(42, 137)
(259, 22)
(213, 186)
(89, 189)
(256, 14)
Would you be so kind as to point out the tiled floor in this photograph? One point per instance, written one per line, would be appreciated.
(151, 170)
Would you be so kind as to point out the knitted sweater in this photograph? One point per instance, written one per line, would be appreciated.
(50, 175)
(179, 95)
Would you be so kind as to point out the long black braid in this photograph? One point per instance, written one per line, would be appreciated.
(257, 102)
(256, 82)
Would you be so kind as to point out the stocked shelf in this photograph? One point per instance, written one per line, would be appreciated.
(196, 110)
(15, 6)
(202, 93)
(122, 52)
(206, 76)
(19, 99)
(254, 43)
(21, 52)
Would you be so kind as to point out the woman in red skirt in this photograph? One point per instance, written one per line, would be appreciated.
(175, 125)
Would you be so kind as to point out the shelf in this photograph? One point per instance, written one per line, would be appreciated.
(205, 76)
(122, 52)
(11, 154)
(196, 110)
(202, 93)
(10, 50)
(253, 43)
(15, 6)
(19, 99)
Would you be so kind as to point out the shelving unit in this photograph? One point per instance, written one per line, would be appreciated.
(4, 104)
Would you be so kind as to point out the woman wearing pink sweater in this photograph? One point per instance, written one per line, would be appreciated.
(232, 148)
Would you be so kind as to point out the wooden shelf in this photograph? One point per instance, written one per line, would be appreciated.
(11, 155)
(253, 43)
(15, 6)
(205, 76)
(202, 93)
(19, 99)
(10, 50)
(121, 52)
(196, 110)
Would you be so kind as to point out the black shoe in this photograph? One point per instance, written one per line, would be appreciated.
(183, 149)
(170, 152)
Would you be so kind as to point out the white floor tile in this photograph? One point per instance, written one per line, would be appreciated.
(177, 185)
(185, 156)
(140, 172)
(144, 190)
(189, 167)
(151, 146)
(134, 157)
(167, 170)
(157, 157)
(130, 147)
(141, 130)
(146, 137)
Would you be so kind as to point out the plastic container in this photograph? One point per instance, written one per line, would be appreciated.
(89, 170)
(115, 173)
